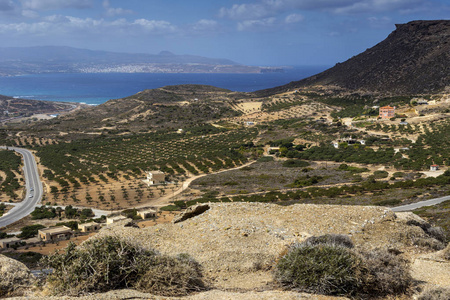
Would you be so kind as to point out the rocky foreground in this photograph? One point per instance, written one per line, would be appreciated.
(237, 244)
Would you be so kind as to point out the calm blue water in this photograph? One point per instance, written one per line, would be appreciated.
(98, 88)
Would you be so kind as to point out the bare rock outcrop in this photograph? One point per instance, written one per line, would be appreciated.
(238, 243)
(15, 277)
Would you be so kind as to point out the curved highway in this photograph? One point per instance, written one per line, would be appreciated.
(416, 205)
(33, 187)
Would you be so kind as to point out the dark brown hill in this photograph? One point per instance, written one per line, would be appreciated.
(413, 59)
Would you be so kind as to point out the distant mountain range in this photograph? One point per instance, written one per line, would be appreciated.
(52, 59)
(413, 59)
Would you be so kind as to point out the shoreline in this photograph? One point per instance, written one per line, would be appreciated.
(98, 88)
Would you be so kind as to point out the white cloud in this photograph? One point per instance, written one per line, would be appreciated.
(111, 12)
(265, 8)
(244, 11)
(30, 14)
(294, 18)
(155, 26)
(58, 24)
(205, 25)
(56, 4)
(252, 25)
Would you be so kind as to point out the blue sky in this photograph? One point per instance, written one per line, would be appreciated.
(254, 32)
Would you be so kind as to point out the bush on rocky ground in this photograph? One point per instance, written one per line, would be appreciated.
(321, 269)
(319, 266)
(446, 252)
(170, 276)
(330, 239)
(387, 274)
(437, 293)
(110, 263)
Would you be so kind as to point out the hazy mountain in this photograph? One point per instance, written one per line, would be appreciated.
(49, 59)
(415, 58)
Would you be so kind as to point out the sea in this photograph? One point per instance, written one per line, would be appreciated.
(97, 88)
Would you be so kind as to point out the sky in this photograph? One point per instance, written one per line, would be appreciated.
(252, 32)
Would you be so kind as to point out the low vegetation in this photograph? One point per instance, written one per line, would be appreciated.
(110, 263)
(327, 265)
(30, 231)
(9, 163)
(437, 293)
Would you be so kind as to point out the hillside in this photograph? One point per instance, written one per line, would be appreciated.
(12, 108)
(170, 107)
(52, 59)
(238, 245)
(413, 59)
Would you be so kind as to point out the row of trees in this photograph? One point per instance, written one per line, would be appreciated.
(9, 163)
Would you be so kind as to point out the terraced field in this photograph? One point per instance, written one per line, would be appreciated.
(109, 163)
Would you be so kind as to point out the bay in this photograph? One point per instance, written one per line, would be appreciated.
(97, 88)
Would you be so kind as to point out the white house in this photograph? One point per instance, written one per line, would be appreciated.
(110, 220)
(155, 177)
(145, 214)
(434, 167)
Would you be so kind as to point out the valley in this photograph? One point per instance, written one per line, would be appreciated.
(241, 183)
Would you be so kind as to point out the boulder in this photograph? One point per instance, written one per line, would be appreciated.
(15, 277)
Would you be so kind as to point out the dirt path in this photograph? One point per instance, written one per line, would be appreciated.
(166, 199)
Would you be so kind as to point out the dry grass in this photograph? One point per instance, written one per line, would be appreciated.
(109, 263)
(326, 265)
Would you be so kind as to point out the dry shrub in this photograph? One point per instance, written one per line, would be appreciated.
(438, 293)
(446, 252)
(330, 239)
(422, 235)
(331, 269)
(429, 243)
(320, 269)
(436, 232)
(109, 263)
(168, 276)
(388, 274)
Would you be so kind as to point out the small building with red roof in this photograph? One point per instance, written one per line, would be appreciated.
(387, 112)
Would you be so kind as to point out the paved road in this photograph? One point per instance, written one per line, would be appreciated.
(24, 208)
(413, 206)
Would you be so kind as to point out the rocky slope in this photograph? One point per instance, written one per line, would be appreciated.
(238, 243)
(413, 59)
(14, 277)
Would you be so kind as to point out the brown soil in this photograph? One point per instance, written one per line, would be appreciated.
(237, 243)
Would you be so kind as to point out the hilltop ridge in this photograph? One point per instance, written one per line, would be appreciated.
(413, 59)
(57, 59)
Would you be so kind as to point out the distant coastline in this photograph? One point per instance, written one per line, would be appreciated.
(97, 88)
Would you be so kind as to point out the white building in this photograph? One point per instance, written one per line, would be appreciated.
(155, 177)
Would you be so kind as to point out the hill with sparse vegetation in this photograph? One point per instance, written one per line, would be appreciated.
(413, 59)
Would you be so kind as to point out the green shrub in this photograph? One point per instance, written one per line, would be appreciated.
(388, 202)
(111, 263)
(265, 159)
(170, 208)
(437, 293)
(320, 269)
(380, 174)
(322, 265)
(30, 231)
(295, 163)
